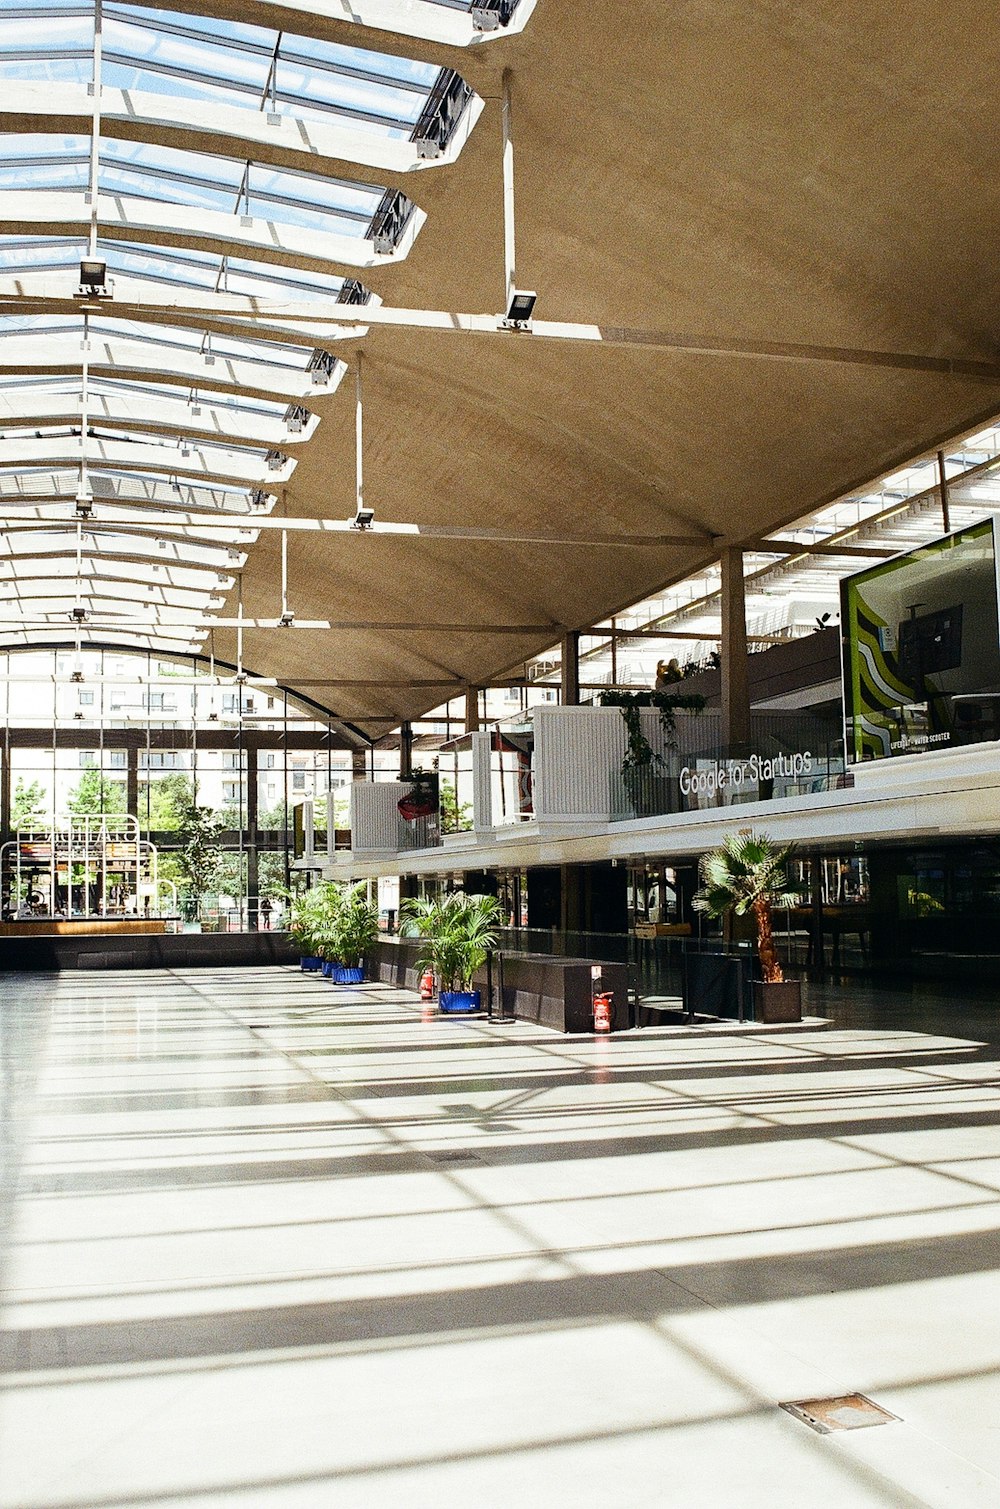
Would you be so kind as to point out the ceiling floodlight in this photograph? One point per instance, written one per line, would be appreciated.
(259, 498)
(520, 307)
(84, 506)
(94, 276)
(364, 518)
(286, 620)
(77, 677)
(428, 148)
(78, 615)
(485, 18)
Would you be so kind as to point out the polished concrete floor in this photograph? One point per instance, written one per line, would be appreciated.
(272, 1243)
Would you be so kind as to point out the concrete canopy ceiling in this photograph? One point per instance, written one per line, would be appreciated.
(784, 219)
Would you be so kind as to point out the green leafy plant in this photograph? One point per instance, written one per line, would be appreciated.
(922, 903)
(458, 932)
(748, 874)
(347, 923)
(30, 803)
(306, 920)
(456, 816)
(640, 754)
(200, 853)
(96, 794)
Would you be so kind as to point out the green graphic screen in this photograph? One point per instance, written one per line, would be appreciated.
(921, 648)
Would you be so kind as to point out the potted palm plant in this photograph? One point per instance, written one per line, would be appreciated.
(304, 922)
(747, 874)
(458, 932)
(348, 930)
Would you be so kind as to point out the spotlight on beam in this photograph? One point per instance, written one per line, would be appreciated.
(286, 620)
(94, 277)
(84, 506)
(364, 518)
(485, 17)
(520, 308)
(78, 615)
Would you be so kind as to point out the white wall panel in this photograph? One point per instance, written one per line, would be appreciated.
(375, 815)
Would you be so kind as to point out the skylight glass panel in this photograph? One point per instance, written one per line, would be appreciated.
(112, 388)
(171, 268)
(271, 353)
(198, 58)
(205, 58)
(196, 180)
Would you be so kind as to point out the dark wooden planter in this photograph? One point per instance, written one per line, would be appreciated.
(775, 1003)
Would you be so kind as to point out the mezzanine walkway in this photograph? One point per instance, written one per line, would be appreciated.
(274, 1245)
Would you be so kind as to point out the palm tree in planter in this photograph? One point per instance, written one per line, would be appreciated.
(458, 932)
(748, 874)
(347, 931)
(305, 921)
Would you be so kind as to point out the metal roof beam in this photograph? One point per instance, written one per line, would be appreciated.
(274, 314)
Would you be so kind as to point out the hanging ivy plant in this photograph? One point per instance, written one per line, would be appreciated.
(640, 754)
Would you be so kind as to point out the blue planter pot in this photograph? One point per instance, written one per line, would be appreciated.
(327, 968)
(456, 1002)
(310, 962)
(343, 974)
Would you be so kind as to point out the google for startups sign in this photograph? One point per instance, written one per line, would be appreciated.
(736, 777)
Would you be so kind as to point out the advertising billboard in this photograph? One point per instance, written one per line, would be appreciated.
(921, 648)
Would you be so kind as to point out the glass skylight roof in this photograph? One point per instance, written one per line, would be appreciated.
(151, 413)
(176, 337)
(225, 62)
(139, 170)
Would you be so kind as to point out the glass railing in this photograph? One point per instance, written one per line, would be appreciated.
(784, 758)
(420, 833)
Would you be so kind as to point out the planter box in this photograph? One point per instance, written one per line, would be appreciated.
(310, 963)
(777, 1002)
(346, 974)
(458, 1002)
(717, 984)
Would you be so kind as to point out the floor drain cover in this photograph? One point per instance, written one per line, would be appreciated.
(845, 1412)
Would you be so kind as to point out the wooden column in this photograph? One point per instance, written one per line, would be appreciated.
(570, 686)
(471, 709)
(733, 650)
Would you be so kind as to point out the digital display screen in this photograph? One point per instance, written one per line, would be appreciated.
(921, 648)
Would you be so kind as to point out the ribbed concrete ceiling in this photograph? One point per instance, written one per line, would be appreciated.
(783, 218)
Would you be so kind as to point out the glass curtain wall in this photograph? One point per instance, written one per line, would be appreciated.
(206, 772)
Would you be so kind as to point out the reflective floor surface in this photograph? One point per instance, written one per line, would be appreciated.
(271, 1243)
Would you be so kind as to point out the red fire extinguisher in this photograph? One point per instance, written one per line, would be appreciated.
(427, 985)
(602, 1010)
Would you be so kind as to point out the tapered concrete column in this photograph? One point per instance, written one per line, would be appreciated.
(733, 649)
(471, 709)
(570, 688)
(359, 765)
